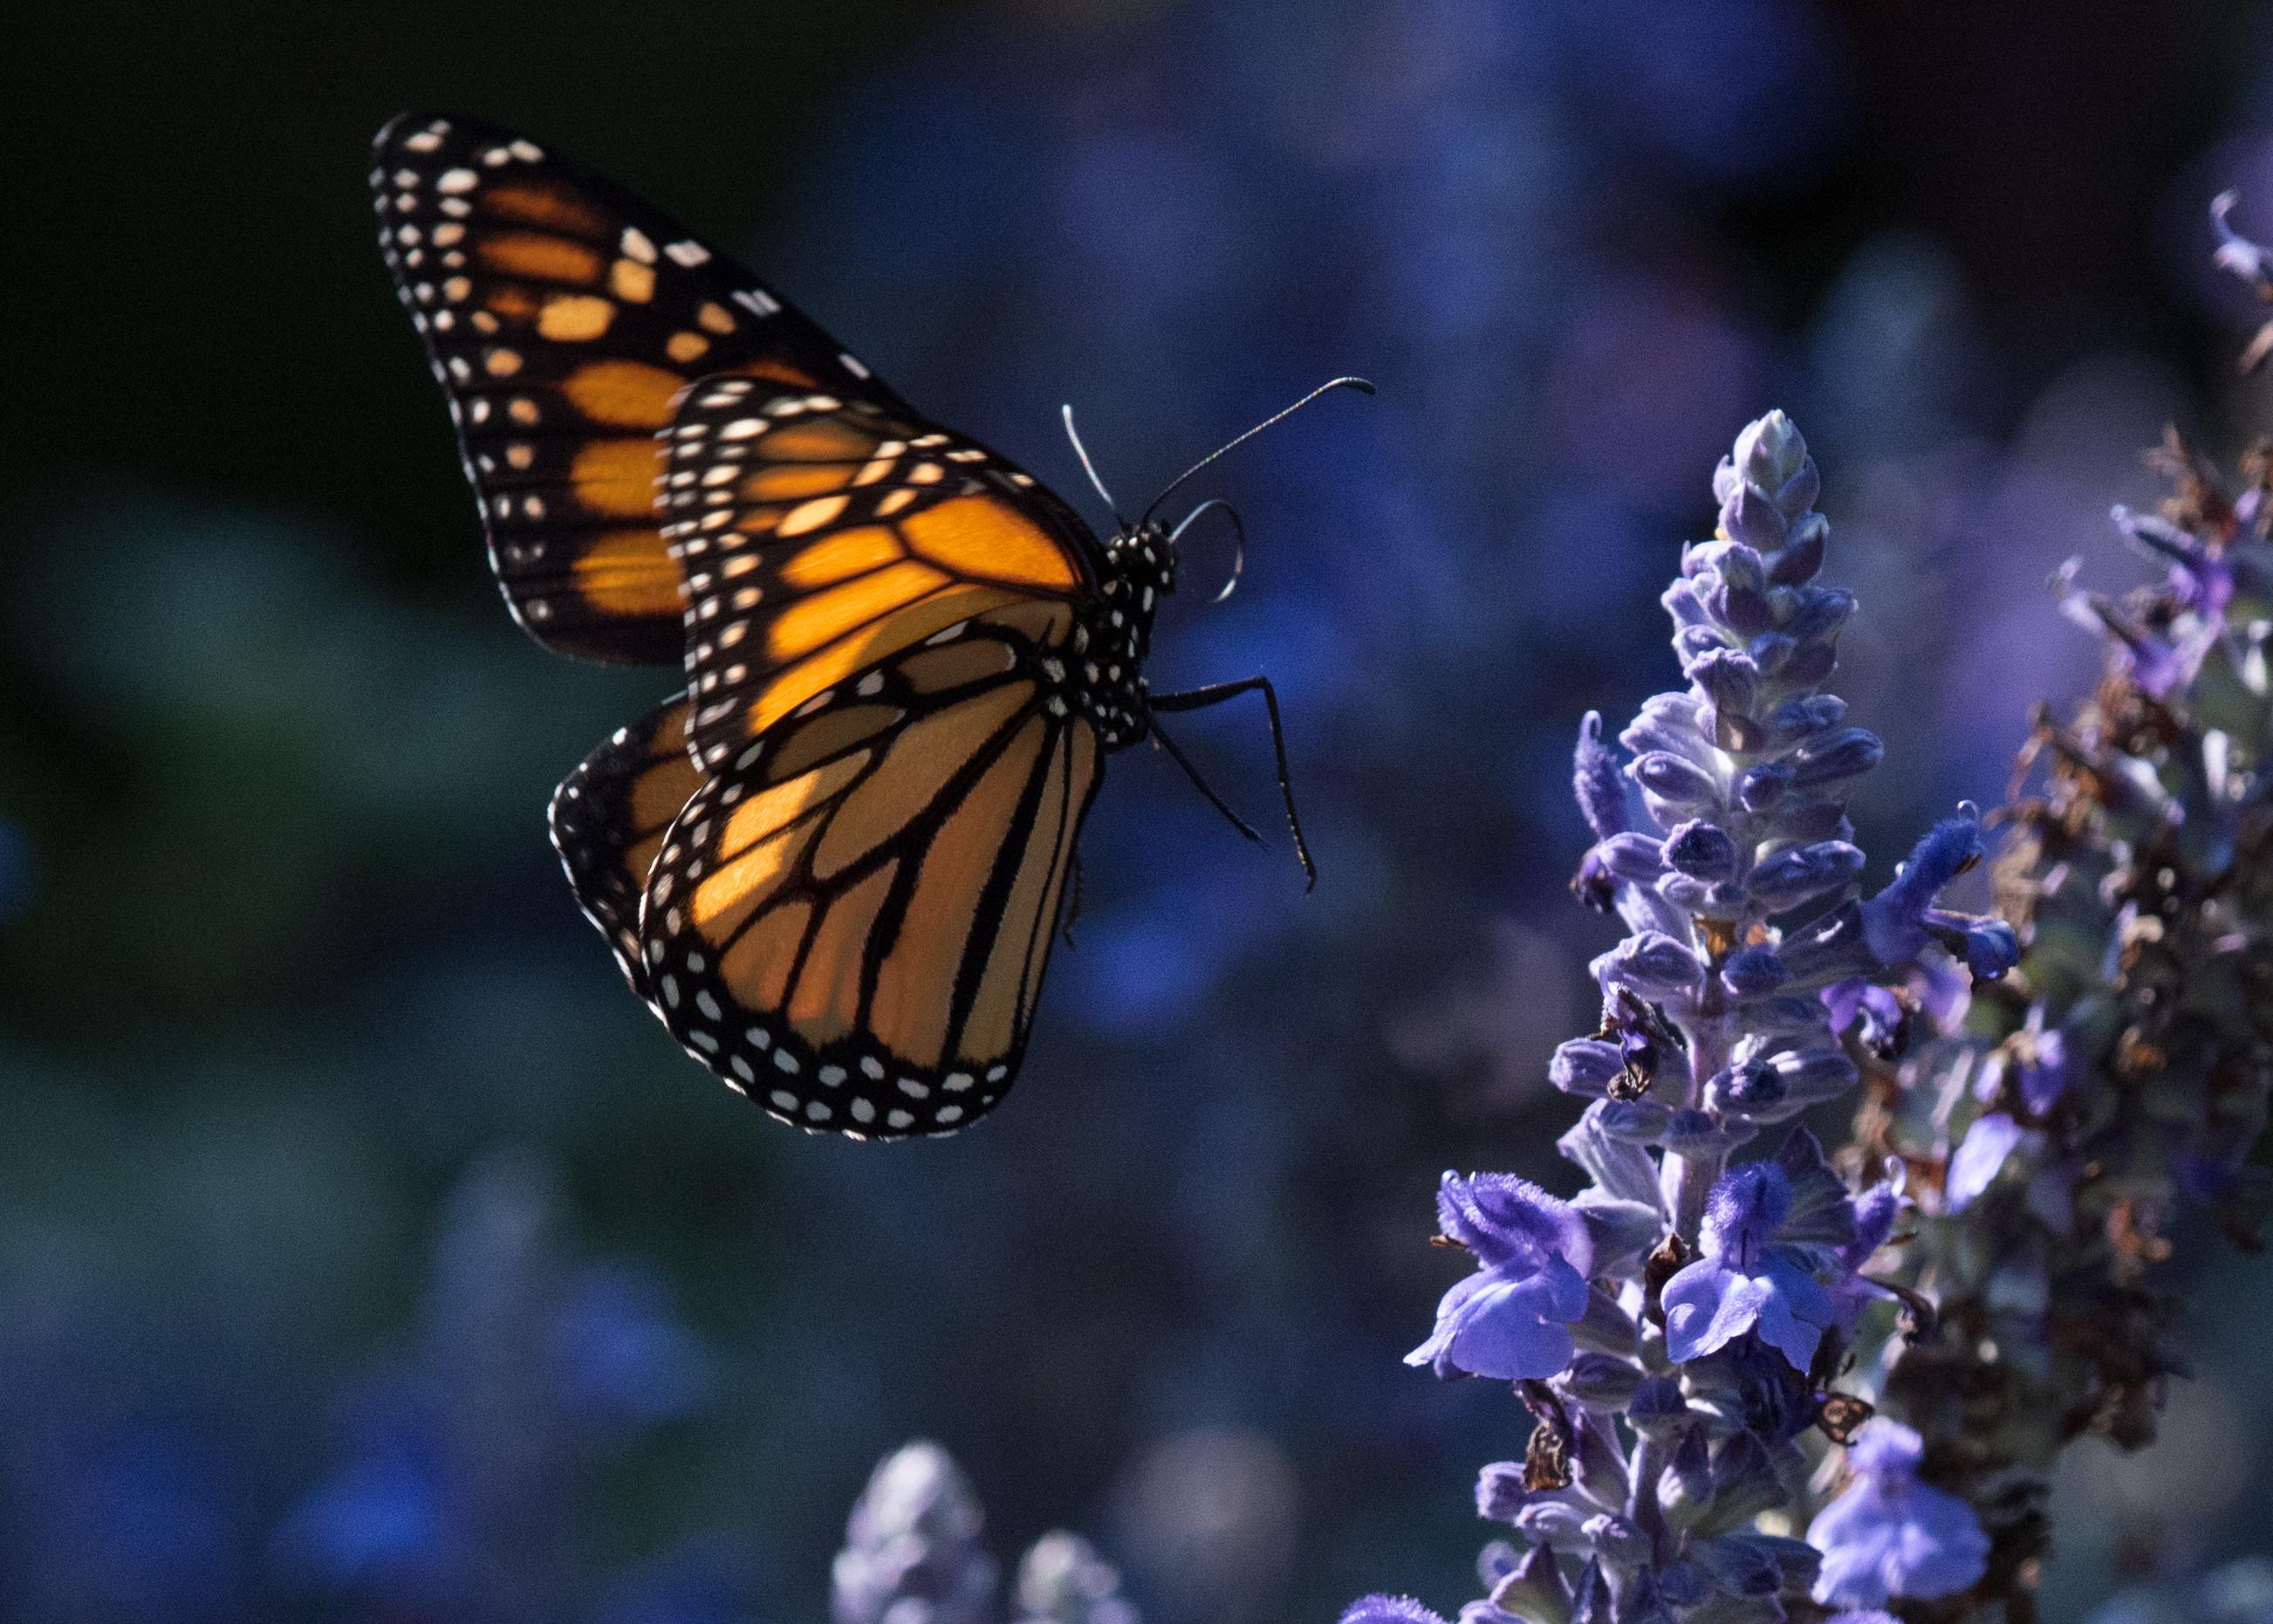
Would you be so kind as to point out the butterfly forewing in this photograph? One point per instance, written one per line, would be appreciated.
(819, 535)
(850, 923)
(562, 317)
(609, 818)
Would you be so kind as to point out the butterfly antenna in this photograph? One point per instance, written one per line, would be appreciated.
(1239, 544)
(1358, 384)
(1089, 468)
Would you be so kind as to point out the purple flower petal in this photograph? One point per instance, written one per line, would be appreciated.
(1990, 1140)
(1890, 1536)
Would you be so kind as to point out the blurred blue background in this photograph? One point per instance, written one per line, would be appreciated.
(366, 1253)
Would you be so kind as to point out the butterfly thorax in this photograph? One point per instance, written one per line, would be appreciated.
(1106, 681)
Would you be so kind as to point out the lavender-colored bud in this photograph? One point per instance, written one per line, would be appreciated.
(1691, 1466)
(1656, 1408)
(1587, 1066)
(1822, 612)
(1802, 873)
(1536, 1587)
(1693, 643)
(1063, 1580)
(1654, 964)
(1684, 601)
(1547, 1521)
(1799, 493)
(1599, 1382)
(1750, 1089)
(1672, 722)
(1635, 858)
(1735, 1568)
(1797, 720)
(1637, 1122)
(1620, 1231)
(1619, 1541)
(1727, 678)
(911, 1549)
(1701, 850)
(1500, 1492)
(1770, 651)
(1591, 1601)
(1803, 549)
(1745, 610)
(1713, 898)
(1617, 1167)
(1769, 452)
(1681, 786)
(1751, 517)
(1754, 972)
(1762, 787)
(1809, 1076)
(1847, 754)
(1595, 780)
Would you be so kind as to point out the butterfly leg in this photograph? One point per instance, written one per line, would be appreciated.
(1215, 694)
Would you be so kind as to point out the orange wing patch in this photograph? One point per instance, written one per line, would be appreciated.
(986, 537)
(820, 538)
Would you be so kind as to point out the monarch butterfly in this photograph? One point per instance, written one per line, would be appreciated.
(834, 864)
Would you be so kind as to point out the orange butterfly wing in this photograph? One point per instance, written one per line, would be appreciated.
(563, 317)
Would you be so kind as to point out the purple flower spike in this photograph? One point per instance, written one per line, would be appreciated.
(1891, 1536)
(1511, 1319)
(1389, 1610)
(1745, 1281)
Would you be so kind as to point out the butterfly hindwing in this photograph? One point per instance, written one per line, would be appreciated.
(609, 818)
(562, 317)
(850, 924)
(818, 535)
